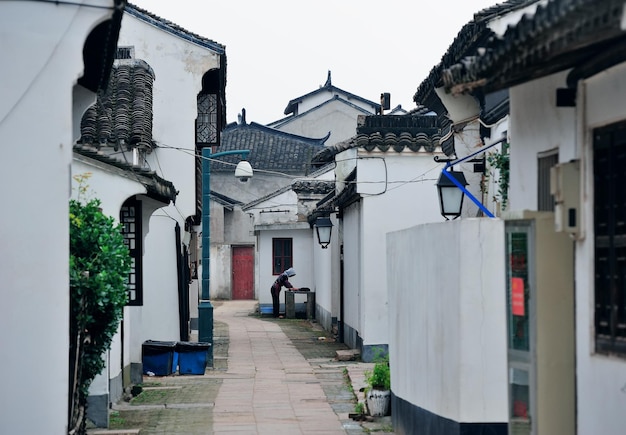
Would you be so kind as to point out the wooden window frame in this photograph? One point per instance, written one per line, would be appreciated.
(282, 258)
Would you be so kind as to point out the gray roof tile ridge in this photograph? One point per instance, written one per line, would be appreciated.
(271, 130)
(328, 88)
(173, 28)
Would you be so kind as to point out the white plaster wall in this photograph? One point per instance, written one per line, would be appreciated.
(178, 66)
(537, 125)
(448, 349)
(600, 379)
(112, 186)
(351, 227)
(302, 262)
(398, 192)
(336, 117)
(45, 42)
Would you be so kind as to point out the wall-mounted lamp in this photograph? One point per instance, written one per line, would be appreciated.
(450, 196)
(324, 228)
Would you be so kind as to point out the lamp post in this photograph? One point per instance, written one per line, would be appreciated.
(450, 193)
(324, 228)
(205, 308)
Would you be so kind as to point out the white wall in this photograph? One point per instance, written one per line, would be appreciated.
(178, 66)
(351, 228)
(448, 349)
(398, 192)
(337, 117)
(537, 125)
(302, 261)
(600, 378)
(112, 186)
(42, 45)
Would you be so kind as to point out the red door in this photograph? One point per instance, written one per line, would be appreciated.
(243, 272)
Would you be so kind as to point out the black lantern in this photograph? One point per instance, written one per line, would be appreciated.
(450, 195)
(324, 228)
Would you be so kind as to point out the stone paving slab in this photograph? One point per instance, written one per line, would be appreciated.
(261, 384)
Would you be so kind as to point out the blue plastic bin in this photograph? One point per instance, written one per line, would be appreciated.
(192, 357)
(159, 357)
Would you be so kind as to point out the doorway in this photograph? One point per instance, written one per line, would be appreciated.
(243, 272)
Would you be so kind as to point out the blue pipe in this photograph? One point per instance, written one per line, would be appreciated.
(460, 186)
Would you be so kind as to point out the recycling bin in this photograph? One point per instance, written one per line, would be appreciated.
(192, 357)
(159, 358)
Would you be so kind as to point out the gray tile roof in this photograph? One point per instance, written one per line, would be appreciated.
(559, 35)
(328, 87)
(158, 188)
(174, 29)
(472, 36)
(122, 115)
(270, 149)
(288, 119)
(389, 133)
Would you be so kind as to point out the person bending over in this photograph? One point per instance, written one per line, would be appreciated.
(282, 280)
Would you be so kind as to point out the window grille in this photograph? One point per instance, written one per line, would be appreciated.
(282, 255)
(609, 172)
(130, 218)
(545, 200)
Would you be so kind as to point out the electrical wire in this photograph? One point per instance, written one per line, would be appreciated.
(42, 69)
(71, 3)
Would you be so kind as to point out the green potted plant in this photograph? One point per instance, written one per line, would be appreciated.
(378, 394)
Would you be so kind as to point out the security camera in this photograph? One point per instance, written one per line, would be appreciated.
(243, 171)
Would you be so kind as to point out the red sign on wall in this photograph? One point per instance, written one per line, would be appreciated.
(517, 297)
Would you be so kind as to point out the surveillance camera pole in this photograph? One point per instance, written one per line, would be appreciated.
(205, 308)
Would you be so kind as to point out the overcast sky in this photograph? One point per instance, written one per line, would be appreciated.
(278, 50)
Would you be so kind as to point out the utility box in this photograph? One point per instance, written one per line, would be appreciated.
(540, 317)
(565, 187)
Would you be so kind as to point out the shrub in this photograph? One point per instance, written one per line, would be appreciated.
(379, 377)
(99, 267)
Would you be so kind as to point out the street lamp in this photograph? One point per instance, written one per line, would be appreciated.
(451, 188)
(324, 228)
(205, 309)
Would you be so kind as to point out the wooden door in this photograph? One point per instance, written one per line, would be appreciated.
(243, 272)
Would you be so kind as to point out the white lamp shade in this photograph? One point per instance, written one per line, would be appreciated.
(243, 169)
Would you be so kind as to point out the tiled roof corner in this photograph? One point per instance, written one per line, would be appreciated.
(473, 35)
(559, 35)
(157, 187)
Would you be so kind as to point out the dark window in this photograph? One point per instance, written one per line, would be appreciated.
(282, 255)
(609, 172)
(130, 218)
(545, 200)
(125, 53)
(206, 122)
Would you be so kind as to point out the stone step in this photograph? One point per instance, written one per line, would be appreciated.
(348, 355)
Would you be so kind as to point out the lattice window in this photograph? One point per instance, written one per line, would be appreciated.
(206, 122)
(130, 218)
(609, 170)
